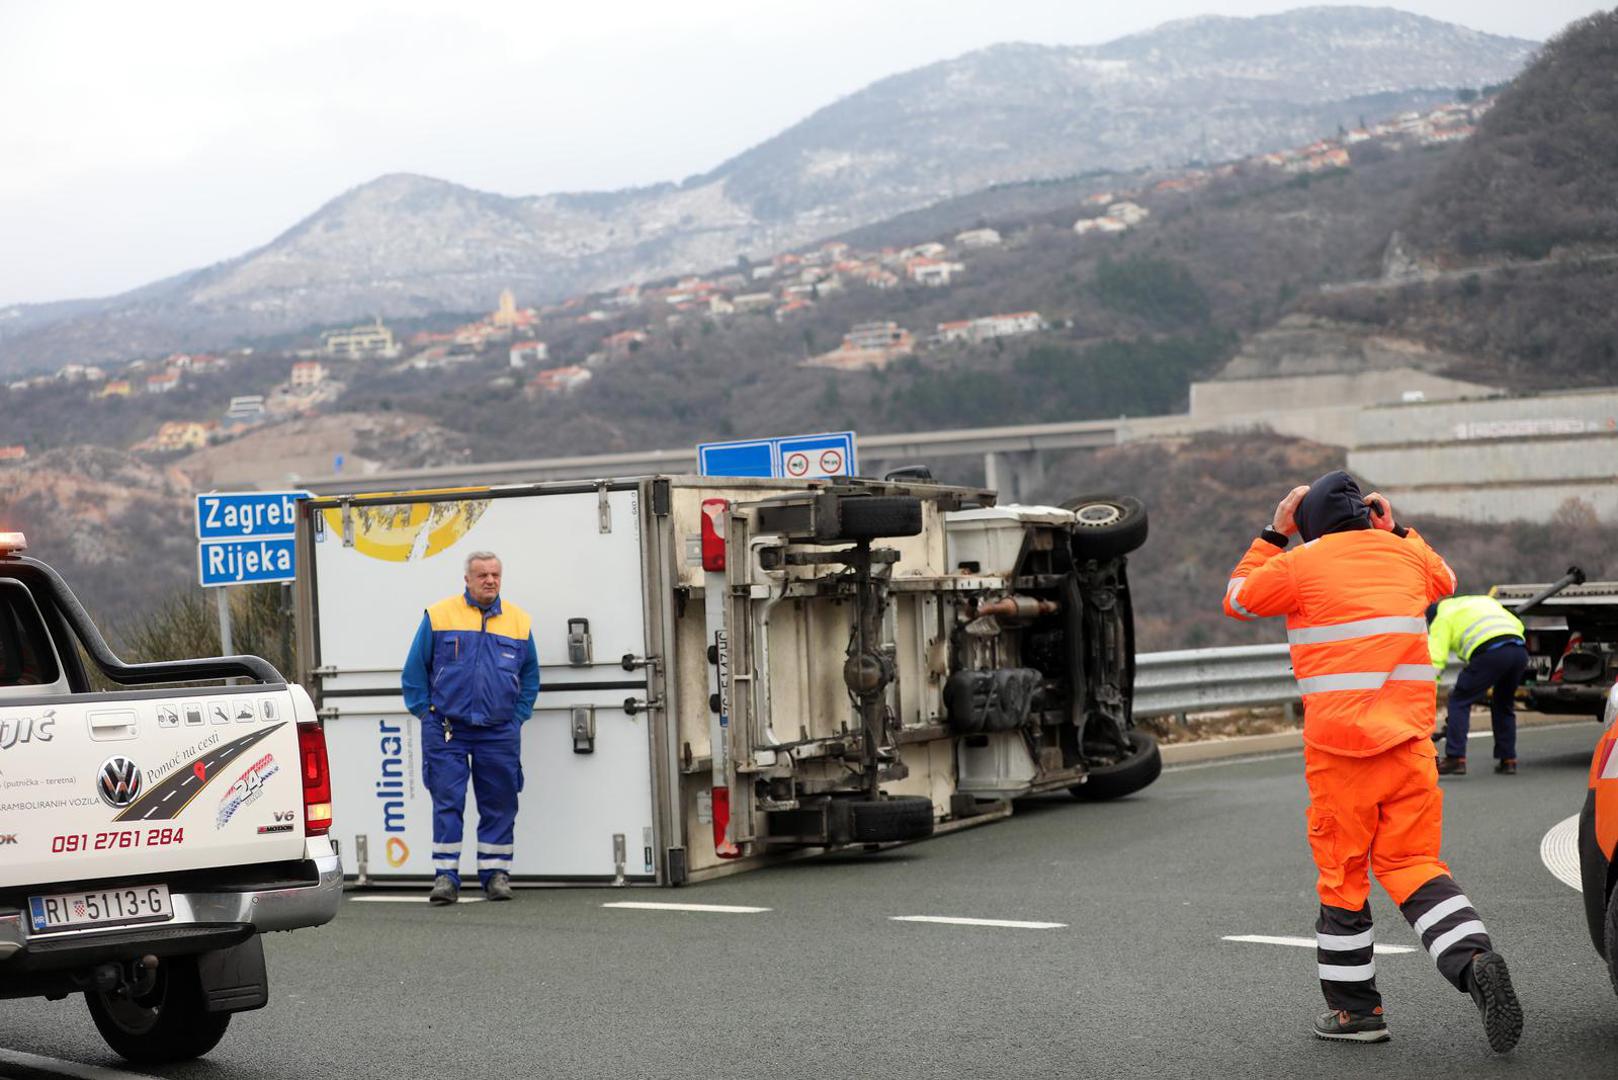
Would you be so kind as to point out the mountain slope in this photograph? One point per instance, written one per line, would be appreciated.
(1510, 255)
(1211, 88)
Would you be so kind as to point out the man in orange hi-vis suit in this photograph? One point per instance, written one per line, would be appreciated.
(1354, 596)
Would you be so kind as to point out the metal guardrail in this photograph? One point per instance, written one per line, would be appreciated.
(1206, 680)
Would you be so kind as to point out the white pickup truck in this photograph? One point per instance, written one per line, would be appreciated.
(148, 837)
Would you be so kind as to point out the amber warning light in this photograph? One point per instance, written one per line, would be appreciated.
(12, 542)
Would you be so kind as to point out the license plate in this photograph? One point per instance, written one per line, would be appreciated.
(100, 907)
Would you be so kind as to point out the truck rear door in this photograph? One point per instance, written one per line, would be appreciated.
(572, 558)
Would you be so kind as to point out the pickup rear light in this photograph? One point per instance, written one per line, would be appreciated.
(316, 773)
(713, 534)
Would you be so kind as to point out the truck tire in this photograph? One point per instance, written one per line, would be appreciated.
(1612, 938)
(1108, 525)
(170, 1022)
(884, 821)
(1126, 777)
(873, 517)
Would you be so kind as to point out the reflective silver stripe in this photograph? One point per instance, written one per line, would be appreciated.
(446, 849)
(1494, 626)
(1465, 930)
(494, 864)
(1354, 973)
(496, 849)
(1367, 680)
(1447, 907)
(1387, 624)
(1232, 591)
(1337, 943)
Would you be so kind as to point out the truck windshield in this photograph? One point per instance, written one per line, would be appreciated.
(26, 656)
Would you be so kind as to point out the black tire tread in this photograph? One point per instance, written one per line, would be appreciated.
(873, 517)
(1118, 538)
(903, 817)
(1132, 774)
(184, 1030)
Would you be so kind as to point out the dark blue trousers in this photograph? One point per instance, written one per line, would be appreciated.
(490, 757)
(1499, 669)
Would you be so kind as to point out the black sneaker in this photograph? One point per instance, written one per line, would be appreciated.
(499, 886)
(445, 891)
(1506, 766)
(1490, 985)
(1353, 1027)
(1452, 766)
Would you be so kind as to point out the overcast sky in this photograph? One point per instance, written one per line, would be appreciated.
(140, 139)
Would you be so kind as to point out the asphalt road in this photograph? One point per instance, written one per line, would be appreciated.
(1138, 982)
(157, 804)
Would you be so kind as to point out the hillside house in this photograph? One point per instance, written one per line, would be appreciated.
(930, 250)
(116, 388)
(978, 238)
(360, 342)
(867, 346)
(991, 326)
(624, 342)
(933, 273)
(560, 380)
(529, 352)
(13, 453)
(791, 308)
(307, 374)
(758, 301)
(245, 409)
(174, 435)
(163, 382)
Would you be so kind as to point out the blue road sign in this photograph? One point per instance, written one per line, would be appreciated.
(243, 562)
(241, 515)
(794, 457)
(247, 536)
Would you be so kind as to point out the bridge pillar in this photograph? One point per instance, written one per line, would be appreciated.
(1015, 474)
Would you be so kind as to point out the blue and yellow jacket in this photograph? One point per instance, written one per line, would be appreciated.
(473, 665)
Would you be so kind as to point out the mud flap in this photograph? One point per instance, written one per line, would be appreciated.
(235, 979)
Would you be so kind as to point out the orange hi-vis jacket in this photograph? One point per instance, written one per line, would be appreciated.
(1354, 603)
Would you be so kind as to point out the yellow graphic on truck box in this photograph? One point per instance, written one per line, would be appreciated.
(405, 532)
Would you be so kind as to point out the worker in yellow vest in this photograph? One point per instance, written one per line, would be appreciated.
(1489, 638)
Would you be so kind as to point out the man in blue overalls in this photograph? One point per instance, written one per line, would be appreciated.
(471, 678)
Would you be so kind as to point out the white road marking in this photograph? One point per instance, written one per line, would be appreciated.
(951, 920)
(59, 1067)
(171, 795)
(1308, 943)
(648, 905)
(408, 899)
(1559, 851)
(152, 811)
(190, 780)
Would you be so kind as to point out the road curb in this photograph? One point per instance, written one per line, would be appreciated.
(1285, 742)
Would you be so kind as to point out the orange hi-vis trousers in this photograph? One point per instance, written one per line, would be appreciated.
(1382, 814)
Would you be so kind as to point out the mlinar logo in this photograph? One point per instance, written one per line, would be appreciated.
(118, 782)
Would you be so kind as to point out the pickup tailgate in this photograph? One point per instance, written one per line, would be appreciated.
(142, 784)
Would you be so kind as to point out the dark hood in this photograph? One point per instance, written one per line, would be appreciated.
(1334, 504)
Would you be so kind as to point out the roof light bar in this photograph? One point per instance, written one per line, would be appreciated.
(11, 543)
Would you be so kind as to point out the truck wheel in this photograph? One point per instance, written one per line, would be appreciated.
(170, 1022)
(872, 517)
(1140, 768)
(903, 817)
(1612, 938)
(1108, 525)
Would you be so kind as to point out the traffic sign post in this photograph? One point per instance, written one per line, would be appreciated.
(793, 457)
(245, 538)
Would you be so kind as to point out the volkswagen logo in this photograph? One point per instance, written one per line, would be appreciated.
(118, 782)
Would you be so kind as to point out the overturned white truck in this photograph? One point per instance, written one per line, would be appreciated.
(734, 670)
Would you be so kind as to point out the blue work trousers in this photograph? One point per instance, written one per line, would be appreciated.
(1499, 669)
(491, 756)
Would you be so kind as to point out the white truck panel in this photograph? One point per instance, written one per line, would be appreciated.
(191, 779)
(558, 565)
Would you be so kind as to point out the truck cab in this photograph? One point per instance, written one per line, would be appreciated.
(156, 820)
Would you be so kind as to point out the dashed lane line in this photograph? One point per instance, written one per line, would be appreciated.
(721, 909)
(1307, 943)
(1559, 851)
(953, 920)
(58, 1067)
(408, 899)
